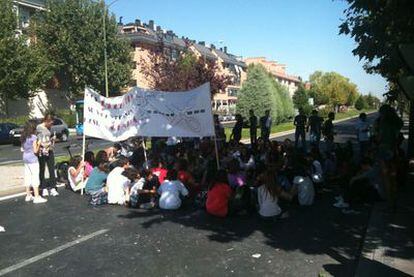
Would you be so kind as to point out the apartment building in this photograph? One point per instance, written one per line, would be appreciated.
(24, 10)
(278, 70)
(144, 37)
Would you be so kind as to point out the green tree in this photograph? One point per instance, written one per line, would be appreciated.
(378, 29)
(184, 73)
(361, 103)
(23, 67)
(285, 106)
(332, 88)
(301, 100)
(71, 32)
(256, 93)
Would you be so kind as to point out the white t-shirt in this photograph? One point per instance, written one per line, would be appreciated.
(268, 206)
(250, 164)
(117, 183)
(74, 181)
(362, 128)
(170, 192)
(136, 186)
(306, 191)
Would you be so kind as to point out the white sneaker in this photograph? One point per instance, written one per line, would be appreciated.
(39, 199)
(29, 198)
(339, 198)
(45, 192)
(341, 205)
(350, 211)
(54, 192)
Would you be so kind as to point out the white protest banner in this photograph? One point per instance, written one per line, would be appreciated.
(149, 113)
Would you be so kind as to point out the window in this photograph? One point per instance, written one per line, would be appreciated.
(174, 54)
(232, 92)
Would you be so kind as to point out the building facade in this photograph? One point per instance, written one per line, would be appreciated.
(144, 37)
(25, 9)
(278, 71)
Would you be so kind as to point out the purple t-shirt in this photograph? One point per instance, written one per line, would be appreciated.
(29, 156)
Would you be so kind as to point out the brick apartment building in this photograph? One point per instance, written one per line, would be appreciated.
(278, 71)
(146, 36)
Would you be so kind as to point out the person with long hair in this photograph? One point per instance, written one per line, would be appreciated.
(75, 172)
(268, 194)
(30, 149)
(89, 163)
(47, 156)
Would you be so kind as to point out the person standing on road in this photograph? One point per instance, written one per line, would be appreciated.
(300, 123)
(47, 156)
(314, 128)
(253, 127)
(237, 129)
(219, 131)
(265, 125)
(30, 149)
(329, 133)
(363, 136)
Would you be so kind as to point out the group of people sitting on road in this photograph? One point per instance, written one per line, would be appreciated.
(266, 176)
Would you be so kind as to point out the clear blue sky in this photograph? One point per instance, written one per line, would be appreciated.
(303, 34)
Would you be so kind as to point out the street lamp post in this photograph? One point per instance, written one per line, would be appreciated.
(104, 39)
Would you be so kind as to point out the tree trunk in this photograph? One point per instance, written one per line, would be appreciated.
(411, 131)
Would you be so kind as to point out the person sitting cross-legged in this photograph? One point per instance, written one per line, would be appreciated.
(95, 185)
(219, 195)
(75, 172)
(118, 184)
(143, 190)
(171, 191)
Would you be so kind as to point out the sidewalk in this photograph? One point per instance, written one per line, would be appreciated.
(388, 249)
(11, 180)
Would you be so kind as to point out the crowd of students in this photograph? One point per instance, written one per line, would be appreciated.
(265, 176)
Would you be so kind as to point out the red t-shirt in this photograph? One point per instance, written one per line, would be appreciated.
(184, 177)
(217, 199)
(161, 173)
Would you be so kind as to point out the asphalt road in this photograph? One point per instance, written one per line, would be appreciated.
(11, 154)
(67, 237)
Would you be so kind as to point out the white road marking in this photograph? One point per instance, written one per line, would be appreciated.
(50, 252)
(22, 194)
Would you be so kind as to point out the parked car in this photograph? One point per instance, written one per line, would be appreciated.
(5, 129)
(59, 127)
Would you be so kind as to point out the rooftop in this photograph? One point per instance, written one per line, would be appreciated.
(150, 33)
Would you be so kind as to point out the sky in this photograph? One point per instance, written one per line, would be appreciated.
(303, 34)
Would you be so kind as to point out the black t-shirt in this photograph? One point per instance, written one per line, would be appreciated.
(253, 122)
(237, 129)
(315, 123)
(300, 122)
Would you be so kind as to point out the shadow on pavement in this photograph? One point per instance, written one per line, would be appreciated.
(316, 230)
